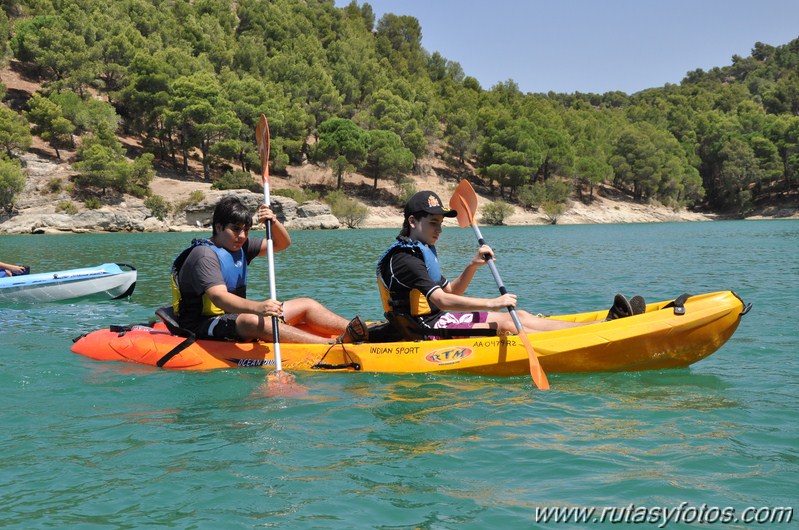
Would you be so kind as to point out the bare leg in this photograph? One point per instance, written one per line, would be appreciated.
(318, 324)
(252, 327)
(313, 315)
(530, 323)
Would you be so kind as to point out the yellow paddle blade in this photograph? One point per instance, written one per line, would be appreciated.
(262, 140)
(464, 201)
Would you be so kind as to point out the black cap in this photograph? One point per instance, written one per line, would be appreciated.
(427, 201)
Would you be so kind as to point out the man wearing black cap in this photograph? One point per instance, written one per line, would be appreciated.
(411, 281)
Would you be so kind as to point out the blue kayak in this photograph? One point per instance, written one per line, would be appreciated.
(110, 280)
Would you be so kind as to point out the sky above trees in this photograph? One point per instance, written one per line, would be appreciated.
(594, 46)
(359, 93)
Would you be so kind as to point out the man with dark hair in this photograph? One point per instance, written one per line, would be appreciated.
(209, 287)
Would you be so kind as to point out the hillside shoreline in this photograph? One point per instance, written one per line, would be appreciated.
(36, 206)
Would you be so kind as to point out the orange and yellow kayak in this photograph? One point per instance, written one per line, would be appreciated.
(666, 336)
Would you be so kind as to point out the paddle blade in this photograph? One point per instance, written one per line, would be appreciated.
(539, 377)
(262, 140)
(282, 384)
(464, 201)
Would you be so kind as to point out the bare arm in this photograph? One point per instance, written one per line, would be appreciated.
(11, 268)
(231, 303)
(456, 302)
(450, 298)
(459, 284)
(280, 236)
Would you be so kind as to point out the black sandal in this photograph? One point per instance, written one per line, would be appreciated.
(356, 330)
(621, 308)
(638, 305)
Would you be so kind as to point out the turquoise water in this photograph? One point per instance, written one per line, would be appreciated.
(109, 445)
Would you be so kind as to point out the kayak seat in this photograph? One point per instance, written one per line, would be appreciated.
(384, 332)
(410, 329)
(167, 316)
(170, 320)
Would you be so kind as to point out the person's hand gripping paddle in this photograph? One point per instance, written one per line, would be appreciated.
(464, 201)
(262, 139)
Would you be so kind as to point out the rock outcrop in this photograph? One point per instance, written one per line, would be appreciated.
(35, 210)
(309, 215)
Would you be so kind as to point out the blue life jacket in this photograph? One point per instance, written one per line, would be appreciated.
(234, 272)
(417, 303)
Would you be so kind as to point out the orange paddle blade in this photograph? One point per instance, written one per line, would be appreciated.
(262, 140)
(539, 377)
(282, 384)
(464, 201)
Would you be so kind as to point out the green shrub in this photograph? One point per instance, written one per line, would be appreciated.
(334, 197)
(158, 206)
(93, 203)
(347, 210)
(550, 197)
(101, 164)
(553, 210)
(532, 196)
(495, 213)
(195, 197)
(67, 207)
(138, 191)
(553, 190)
(299, 196)
(237, 180)
(252, 160)
(54, 185)
(12, 182)
(558, 190)
(285, 192)
(407, 189)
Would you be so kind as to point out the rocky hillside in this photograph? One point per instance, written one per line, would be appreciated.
(37, 207)
(38, 211)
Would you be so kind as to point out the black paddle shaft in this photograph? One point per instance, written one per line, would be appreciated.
(497, 278)
(494, 272)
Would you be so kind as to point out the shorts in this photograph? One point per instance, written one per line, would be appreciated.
(455, 320)
(222, 327)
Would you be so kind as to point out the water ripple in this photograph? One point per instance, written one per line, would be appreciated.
(94, 445)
